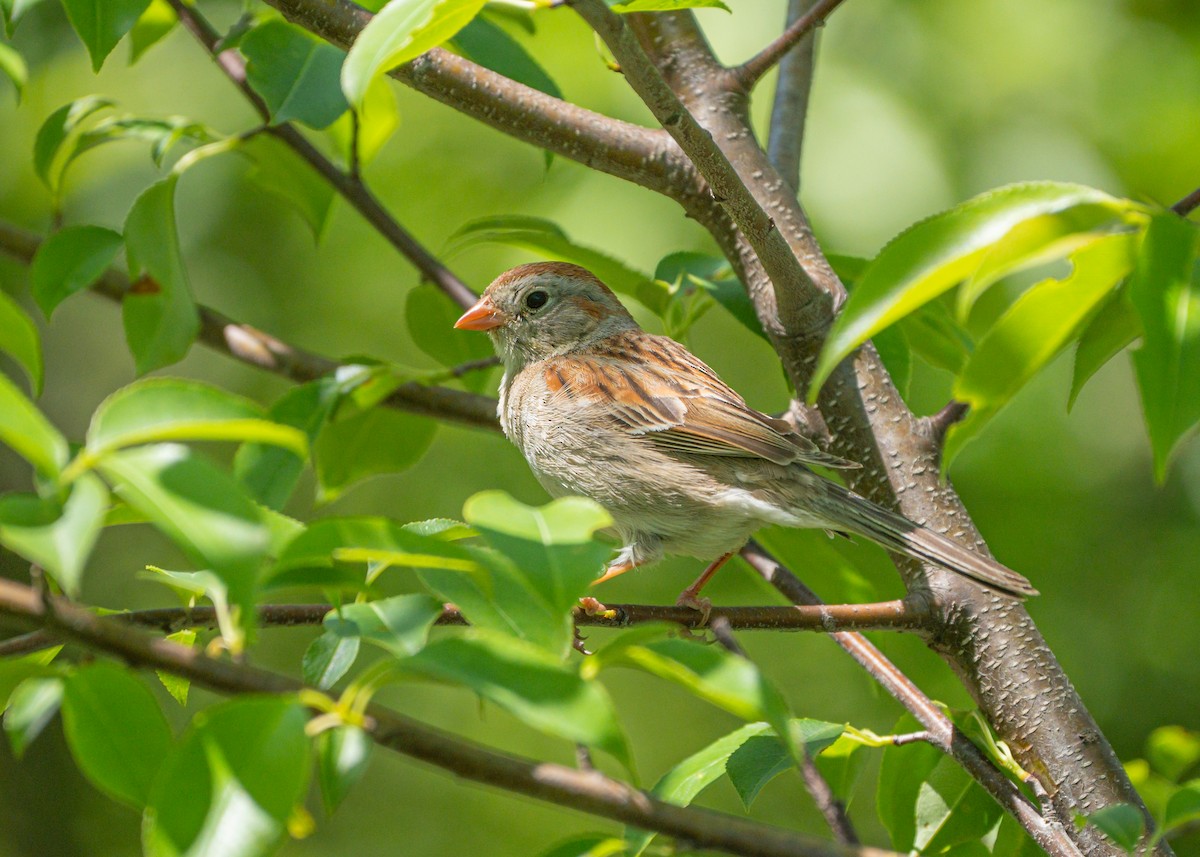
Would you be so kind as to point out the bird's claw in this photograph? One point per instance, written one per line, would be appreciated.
(688, 598)
(592, 607)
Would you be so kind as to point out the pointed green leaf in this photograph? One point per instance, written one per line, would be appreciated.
(19, 337)
(373, 443)
(1033, 331)
(1165, 291)
(155, 23)
(527, 681)
(491, 46)
(399, 625)
(544, 236)
(100, 24)
(1114, 326)
(59, 540)
(761, 758)
(116, 731)
(160, 409)
(28, 432)
(58, 126)
(176, 685)
(1183, 807)
(12, 11)
(377, 119)
(295, 73)
(589, 845)
(342, 757)
(933, 256)
(69, 261)
(363, 540)
(1122, 823)
(161, 320)
(14, 670)
(328, 658)
(12, 64)
(400, 32)
(32, 705)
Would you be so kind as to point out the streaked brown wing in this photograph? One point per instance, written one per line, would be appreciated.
(657, 388)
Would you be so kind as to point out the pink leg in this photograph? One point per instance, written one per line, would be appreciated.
(690, 597)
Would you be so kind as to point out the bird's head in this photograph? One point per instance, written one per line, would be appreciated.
(546, 308)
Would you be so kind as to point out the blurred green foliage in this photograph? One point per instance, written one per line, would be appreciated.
(917, 105)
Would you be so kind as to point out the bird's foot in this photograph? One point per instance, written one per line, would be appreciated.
(692, 599)
(592, 607)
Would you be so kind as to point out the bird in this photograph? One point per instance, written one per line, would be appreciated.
(636, 422)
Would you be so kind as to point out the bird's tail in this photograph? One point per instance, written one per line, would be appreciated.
(847, 511)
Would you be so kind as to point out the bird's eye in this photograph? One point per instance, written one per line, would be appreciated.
(536, 299)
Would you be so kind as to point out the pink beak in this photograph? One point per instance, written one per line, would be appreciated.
(483, 316)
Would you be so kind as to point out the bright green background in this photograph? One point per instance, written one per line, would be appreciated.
(917, 106)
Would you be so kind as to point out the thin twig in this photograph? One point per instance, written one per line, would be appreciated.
(881, 616)
(586, 791)
(939, 423)
(939, 730)
(250, 345)
(789, 109)
(347, 184)
(1188, 204)
(752, 70)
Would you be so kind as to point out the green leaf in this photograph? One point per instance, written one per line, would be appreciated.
(491, 46)
(161, 320)
(32, 705)
(430, 317)
(229, 788)
(115, 730)
(712, 275)
(1165, 291)
(399, 625)
(1121, 823)
(198, 506)
(295, 73)
(19, 337)
(282, 174)
(328, 658)
(1033, 331)
(342, 757)
(1114, 326)
(552, 545)
(1173, 751)
(400, 32)
(761, 758)
(667, 5)
(543, 236)
(12, 64)
(720, 677)
(589, 845)
(931, 257)
(161, 409)
(58, 539)
(12, 11)
(58, 126)
(373, 443)
(101, 23)
(69, 261)
(176, 685)
(1183, 807)
(528, 682)
(162, 134)
(28, 432)
(933, 335)
(13, 671)
(377, 119)
(154, 24)
(270, 472)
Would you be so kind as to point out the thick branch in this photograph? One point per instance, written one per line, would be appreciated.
(752, 70)
(641, 155)
(586, 791)
(789, 110)
(249, 345)
(349, 186)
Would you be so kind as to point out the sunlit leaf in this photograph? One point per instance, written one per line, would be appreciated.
(544, 236)
(60, 540)
(401, 31)
(527, 681)
(101, 23)
(399, 625)
(379, 540)
(589, 845)
(1173, 751)
(162, 409)
(177, 685)
(666, 5)
(1165, 291)
(161, 320)
(20, 339)
(295, 73)
(162, 135)
(328, 658)
(116, 731)
(155, 23)
(1033, 331)
(12, 66)
(69, 261)
(15, 670)
(32, 705)
(58, 126)
(936, 254)
(24, 428)
(342, 757)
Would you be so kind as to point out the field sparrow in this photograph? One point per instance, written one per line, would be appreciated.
(639, 424)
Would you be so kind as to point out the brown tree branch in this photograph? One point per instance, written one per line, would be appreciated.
(249, 345)
(586, 791)
(640, 155)
(347, 183)
(824, 618)
(789, 109)
(1188, 204)
(752, 70)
